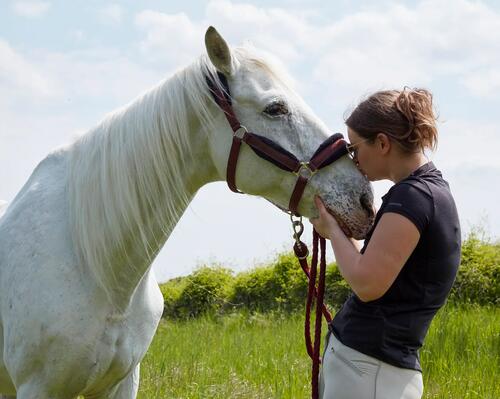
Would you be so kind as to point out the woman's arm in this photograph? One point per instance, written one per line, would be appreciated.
(370, 274)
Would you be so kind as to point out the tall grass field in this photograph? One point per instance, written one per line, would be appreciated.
(263, 356)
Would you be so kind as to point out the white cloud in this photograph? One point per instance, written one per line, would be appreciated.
(277, 30)
(476, 192)
(30, 9)
(19, 78)
(97, 73)
(388, 46)
(44, 75)
(463, 143)
(171, 37)
(78, 35)
(111, 14)
(484, 83)
(418, 45)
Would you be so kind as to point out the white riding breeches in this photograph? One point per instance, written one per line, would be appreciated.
(349, 374)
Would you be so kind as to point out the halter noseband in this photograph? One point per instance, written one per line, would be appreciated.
(329, 151)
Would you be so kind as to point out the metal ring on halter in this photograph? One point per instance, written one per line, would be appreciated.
(305, 171)
(240, 133)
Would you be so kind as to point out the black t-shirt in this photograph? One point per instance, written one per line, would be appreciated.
(392, 328)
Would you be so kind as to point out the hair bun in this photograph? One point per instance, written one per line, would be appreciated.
(417, 107)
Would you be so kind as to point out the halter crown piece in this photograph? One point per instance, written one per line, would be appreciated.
(329, 151)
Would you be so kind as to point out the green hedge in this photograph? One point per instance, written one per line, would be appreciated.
(279, 286)
(478, 279)
(282, 285)
(204, 291)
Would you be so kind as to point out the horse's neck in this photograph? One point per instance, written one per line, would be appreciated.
(124, 209)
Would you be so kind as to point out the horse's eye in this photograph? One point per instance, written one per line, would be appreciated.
(276, 108)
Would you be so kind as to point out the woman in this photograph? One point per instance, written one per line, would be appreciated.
(405, 270)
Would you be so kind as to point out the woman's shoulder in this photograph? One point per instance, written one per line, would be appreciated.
(409, 189)
(426, 180)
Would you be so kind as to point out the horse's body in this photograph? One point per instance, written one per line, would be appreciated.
(78, 303)
(60, 333)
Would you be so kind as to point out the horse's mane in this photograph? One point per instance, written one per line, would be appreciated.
(127, 171)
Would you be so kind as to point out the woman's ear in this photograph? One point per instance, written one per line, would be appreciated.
(384, 142)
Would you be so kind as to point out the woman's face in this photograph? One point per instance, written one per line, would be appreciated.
(366, 155)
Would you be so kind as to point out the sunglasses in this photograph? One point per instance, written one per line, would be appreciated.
(351, 148)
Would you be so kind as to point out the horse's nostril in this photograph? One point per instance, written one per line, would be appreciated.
(366, 203)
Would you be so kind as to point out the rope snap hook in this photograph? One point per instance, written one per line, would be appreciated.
(297, 226)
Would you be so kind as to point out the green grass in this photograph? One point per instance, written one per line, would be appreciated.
(461, 355)
(263, 356)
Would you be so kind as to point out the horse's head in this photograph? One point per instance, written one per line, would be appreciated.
(264, 103)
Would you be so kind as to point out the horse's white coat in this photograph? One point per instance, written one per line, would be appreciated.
(79, 304)
(3, 207)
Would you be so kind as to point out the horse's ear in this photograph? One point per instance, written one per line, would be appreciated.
(218, 51)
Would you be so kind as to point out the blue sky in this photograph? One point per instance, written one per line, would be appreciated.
(64, 65)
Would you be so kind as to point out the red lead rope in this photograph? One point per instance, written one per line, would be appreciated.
(301, 252)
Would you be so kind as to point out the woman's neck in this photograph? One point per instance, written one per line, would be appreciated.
(404, 165)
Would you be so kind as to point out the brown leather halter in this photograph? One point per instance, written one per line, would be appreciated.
(329, 151)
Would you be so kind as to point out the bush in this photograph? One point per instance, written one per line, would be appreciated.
(279, 286)
(204, 291)
(478, 279)
(255, 290)
(336, 288)
(171, 291)
(290, 282)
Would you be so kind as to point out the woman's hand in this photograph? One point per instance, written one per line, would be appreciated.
(325, 224)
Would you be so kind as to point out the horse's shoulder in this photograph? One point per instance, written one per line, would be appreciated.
(3, 207)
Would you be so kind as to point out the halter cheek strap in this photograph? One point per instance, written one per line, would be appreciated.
(329, 151)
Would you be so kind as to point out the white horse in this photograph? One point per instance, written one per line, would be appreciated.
(79, 304)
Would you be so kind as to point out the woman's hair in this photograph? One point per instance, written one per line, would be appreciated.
(406, 116)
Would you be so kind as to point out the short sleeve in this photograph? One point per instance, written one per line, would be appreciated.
(413, 201)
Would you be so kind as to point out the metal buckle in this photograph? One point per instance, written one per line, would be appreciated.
(305, 171)
(240, 133)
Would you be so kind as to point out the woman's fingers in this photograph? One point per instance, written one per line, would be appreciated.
(323, 212)
(319, 204)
